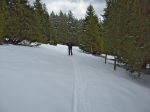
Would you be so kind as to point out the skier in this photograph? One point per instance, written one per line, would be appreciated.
(70, 44)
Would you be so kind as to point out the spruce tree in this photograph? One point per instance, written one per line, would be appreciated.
(13, 24)
(45, 27)
(92, 39)
(62, 28)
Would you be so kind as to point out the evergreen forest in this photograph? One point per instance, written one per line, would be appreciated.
(124, 31)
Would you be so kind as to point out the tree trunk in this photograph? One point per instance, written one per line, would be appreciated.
(105, 58)
(115, 63)
(91, 49)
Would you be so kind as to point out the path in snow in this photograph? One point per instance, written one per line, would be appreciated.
(46, 79)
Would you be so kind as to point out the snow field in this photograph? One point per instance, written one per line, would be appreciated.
(46, 79)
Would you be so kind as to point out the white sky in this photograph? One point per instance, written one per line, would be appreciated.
(78, 7)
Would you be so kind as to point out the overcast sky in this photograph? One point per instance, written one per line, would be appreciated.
(78, 7)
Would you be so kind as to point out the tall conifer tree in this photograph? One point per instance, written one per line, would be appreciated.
(92, 40)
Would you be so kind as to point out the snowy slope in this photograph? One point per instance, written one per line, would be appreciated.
(46, 79)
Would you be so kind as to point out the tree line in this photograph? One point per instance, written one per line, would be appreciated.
(24, 21)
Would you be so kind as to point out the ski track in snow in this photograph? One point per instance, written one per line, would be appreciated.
(46, 79)
(80, 103)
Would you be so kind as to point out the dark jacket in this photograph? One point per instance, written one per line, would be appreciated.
(70, 44)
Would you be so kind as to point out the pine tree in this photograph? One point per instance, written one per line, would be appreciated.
(92, 40)
(45, 27)
(12, 28)
(54, 27)
(71, 26)
(40, 16)
(62, 28)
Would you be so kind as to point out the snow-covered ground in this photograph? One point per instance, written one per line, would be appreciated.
(46, 79)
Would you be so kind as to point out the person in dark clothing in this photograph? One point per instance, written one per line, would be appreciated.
(70, 44)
